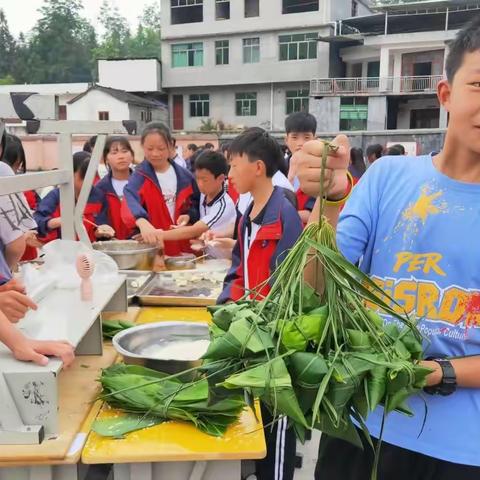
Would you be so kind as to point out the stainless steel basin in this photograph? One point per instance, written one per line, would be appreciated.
(128, 254)
(132, 342)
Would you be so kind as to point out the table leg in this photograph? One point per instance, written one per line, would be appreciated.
(211, 470)
(132, 471)
(40, 472)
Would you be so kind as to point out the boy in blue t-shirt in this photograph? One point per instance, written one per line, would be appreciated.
(413, 225)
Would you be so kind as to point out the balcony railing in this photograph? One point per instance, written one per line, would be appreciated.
(374, 85)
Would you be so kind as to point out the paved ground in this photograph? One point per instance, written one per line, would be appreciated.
(309, 451)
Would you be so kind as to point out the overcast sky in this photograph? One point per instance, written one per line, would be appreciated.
(22, 14)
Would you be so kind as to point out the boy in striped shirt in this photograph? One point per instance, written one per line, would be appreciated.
(217, 210)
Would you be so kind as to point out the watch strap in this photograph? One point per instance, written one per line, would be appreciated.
(448, 385)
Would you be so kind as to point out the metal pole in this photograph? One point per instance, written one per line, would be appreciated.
(271, 106)
(386, 23)
(447, 18)
(67, 192)
(86, 189)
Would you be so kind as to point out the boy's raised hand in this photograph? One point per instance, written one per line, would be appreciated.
(38, 351)
(309, 167)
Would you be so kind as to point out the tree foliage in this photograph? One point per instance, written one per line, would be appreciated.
(63, 46)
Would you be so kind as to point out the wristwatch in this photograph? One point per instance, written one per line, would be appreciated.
(448, 385)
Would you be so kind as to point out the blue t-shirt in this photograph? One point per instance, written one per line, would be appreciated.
(415, 231)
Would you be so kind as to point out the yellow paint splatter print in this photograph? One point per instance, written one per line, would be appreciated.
(423, 207)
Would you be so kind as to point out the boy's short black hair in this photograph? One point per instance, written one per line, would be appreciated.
(209, 145)
(301, 122)
(257, 144)
(214, 162)
(192, 146)
(81, 161)
(397, 149)
(466, 41)
(375, 149)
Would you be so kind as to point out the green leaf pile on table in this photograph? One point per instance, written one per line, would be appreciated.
(151, 397)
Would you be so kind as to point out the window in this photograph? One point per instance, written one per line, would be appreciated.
(298, 6)
(200, 105)
(252, 8)
(62, 112)
(222, 9)
(373, 69)
(354, 8)
(426, 118)
(297, 100)
(245, 104)
(146, 115)
(353, 113)
(251, 50)
(186, 11)
(187, 55)
(300, 46)
(221, 52)
(357, 69)
(103, 115)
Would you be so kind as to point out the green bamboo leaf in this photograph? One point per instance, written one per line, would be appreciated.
(224, 347)
(292, 338)
(118, 427)
(250, 336)
(377, 386)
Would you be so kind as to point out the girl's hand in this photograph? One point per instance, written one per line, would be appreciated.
(15, 305)
(182, 221)
(32, 240)
(37, 351)
(151, 235)
(54, 223)
(309, 166)
(14, 285)
(104, 231)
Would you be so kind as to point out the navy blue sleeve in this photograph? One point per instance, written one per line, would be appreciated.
(45, 210)
(102, 218)
(132, 208)
(292, 228)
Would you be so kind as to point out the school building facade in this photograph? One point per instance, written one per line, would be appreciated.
(385, 67)
(241, 63)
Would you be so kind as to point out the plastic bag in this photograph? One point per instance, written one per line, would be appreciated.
(60, 258)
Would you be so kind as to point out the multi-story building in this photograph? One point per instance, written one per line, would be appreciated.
(385, 67)
(245, 62)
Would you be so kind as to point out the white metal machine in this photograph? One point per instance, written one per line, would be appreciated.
(28, 393)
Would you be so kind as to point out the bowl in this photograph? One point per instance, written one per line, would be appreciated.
(138, 344)
(183, 262)
(128, 254)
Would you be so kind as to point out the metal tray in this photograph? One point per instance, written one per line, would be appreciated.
(201, 290)
(134, 277)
